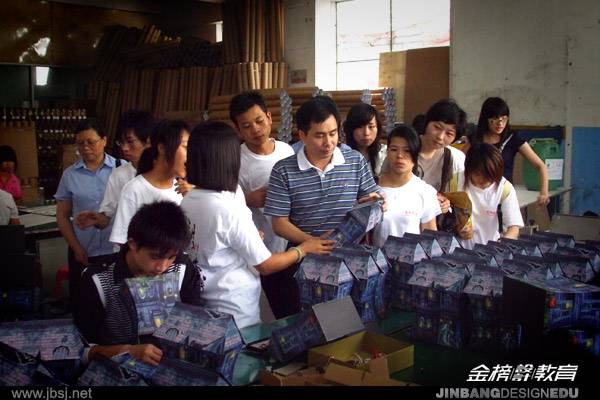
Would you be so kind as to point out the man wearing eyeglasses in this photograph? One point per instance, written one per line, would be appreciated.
(134, 136)
(82, 187)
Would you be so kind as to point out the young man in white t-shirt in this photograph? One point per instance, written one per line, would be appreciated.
(412, 203)
(9, 214)
(259, 152)
(488, 189)
(134, 131)
(441, 165)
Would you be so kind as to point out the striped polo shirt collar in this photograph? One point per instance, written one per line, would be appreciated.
(304, 164)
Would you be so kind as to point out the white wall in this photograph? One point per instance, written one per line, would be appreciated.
(542, 56)
(300, 38)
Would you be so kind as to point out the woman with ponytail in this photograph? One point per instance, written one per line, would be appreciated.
(161, 167)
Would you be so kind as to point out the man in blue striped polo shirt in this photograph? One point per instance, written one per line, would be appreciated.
(310, 192)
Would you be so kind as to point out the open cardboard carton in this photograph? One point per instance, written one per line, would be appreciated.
(359, 350)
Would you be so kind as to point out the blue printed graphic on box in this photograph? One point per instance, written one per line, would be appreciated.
(500, 253)
(487, 257)
(106, 372)
(402, 254)
(581, 250)
(578, 268)
(592, 253)
(174, 372)
(154, 297)
(541, 265)
(546, 244)
(531, 248)
(16, 368)
(366, 275)
(383, 287)
(447, 241)
(450, 330)
(495, 335)
(583, 338)
(315, 326)
(205, 337)
(526, 271)
(562, 239)
(586, 304)
(357, 222)
(56, 343)
(484, 290)
(322, 278)
(457, 260)
(132, 364)
(430, 244)
(27, 299)
(426, 327)
(437, 286)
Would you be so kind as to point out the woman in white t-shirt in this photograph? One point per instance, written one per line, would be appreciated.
(412, 203)
(225, 242)
(363, 133)
(160, 166)
(488, 189)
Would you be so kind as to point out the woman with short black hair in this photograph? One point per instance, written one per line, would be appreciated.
(488, 189)
(226, 244)
(412, 203)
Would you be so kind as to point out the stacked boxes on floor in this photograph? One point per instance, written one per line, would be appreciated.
(403, 254)
(436, 289)
(367, 276)
(447, 241)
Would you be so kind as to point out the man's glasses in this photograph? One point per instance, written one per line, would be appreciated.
(88, 142)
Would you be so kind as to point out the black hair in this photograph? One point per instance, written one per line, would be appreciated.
(245, 101)
(360, 115)
(168, 133)
(93, 124)
(140, 122)
(316, 110)
(160, 226)
(413, 141)
(419, 124)
(213, 161)
(7, 153)
(448, 112)
(485, 159)
(492, 107)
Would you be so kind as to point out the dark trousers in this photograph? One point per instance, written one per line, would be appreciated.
(282, 292)
(76, 269)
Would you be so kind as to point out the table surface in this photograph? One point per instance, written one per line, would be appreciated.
(527, 197)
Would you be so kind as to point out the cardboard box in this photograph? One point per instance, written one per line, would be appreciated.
(447, 241)
(304, 377)
(541, 263)
(56, 343)
(583, 250)
(366, 277)
(484, 291)
(358, 350)
(322, 278)
(488, 258)
(205, 337)
(553, 304)
(429, 243)
(546, 244)
(320, 324)
(531, 248)
(172, 372)
(574, 267)
(377, 375)
(495, 336)
(357, 222)
(500, 253)
(462, 261)
(529, 271)
(562, 239)
(153, 297)
(437, 293)
(105, 372)
(382, 289)
(402, 254)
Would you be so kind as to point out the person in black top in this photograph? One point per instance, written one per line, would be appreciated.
(157, 234)
(494, 128)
